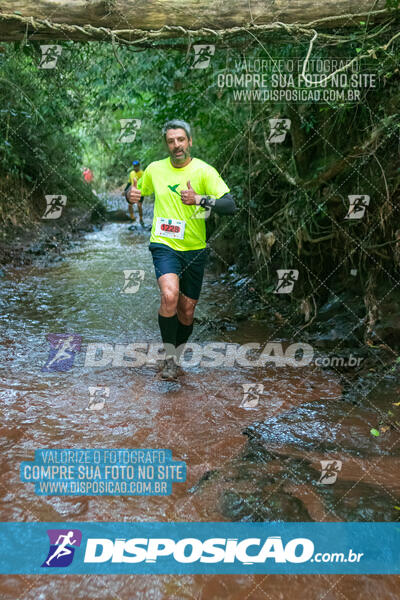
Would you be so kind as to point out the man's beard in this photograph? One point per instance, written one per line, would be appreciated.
(182, 157)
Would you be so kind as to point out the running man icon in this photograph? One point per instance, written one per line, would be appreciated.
(286, 280)
(63, 348)
(61, 551)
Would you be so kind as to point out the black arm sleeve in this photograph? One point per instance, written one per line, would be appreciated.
(222, 206)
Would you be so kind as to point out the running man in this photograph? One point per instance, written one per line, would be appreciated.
(135, 175)
(56, 203)
(287, 280)
(185, 189)
(62, 549)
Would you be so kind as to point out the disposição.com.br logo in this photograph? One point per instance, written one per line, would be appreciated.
(62, 547)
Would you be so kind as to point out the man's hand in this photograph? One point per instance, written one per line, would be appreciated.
(189, 196)
(134, 195)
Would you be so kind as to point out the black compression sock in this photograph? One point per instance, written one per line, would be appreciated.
(183, 333)
(168, 328)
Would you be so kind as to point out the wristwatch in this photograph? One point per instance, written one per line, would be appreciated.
(207, 201)
(203, 201)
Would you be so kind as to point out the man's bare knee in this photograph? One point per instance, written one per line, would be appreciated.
(186, 312)
(169, 301)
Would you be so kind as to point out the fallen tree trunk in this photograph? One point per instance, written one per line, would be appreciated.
(128, 19)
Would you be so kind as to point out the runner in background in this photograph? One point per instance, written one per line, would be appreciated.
(87, 175)
(135, 175)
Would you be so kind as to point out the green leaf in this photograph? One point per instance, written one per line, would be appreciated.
(375, 432)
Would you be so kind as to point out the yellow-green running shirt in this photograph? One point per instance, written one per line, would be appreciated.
(167, 182)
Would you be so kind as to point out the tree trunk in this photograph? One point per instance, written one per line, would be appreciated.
(125, 15)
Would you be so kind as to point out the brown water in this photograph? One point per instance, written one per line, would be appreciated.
(199, 419)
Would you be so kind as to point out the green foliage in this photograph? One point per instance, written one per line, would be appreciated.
(39, 152)
(54, 122)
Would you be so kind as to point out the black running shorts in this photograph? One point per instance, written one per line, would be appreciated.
(187, 264)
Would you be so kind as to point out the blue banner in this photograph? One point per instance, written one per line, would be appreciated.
(209, 548)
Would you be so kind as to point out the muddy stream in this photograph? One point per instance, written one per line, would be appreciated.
(270, 473)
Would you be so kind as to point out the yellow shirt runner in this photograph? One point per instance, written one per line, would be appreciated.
(166, 182)
(135, 175)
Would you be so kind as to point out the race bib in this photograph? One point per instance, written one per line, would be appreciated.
(171, 228)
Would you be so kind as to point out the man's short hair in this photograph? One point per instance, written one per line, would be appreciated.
(177, 124)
